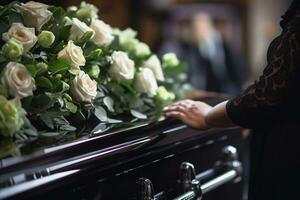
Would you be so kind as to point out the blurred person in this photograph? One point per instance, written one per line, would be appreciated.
(211, 63)
(270, 107)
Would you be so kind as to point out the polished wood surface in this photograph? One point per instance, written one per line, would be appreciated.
(108, 166)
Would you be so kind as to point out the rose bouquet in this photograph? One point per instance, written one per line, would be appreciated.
(63, 69)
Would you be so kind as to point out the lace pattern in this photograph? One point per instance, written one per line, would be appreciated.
(278, 83)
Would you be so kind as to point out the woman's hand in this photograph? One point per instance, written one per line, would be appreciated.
(192, 113)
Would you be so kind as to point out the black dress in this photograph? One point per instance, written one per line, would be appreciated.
(271, 107)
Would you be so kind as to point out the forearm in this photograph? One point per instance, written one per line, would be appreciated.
(217, 117)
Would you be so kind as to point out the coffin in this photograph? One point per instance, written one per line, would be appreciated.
(162, 160)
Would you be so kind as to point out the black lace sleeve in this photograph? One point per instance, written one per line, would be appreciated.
(274, 96)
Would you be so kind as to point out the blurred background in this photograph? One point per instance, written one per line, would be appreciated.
(223, 42)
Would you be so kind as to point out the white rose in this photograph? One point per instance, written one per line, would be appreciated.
(154, 64)
(125, 36)
(141, 49)
(122, 67)
(35, 14)
(103, 33)
(87, 10)
(74, 55)
(24, 35)
(145, 82)
(78, 29)
(18, 80)
(130, 43)
(83, 88)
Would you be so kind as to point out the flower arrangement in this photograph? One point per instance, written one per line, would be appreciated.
(60, 69)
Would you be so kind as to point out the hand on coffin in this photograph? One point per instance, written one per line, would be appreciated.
(200, 115)
(192, 113)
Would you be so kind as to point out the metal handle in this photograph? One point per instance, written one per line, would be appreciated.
(194, 193)
(146, 191)
(229, 161)
(191, 185)
(220, 180)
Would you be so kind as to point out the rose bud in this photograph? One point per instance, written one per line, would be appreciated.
(13, 49)
(41, 67)
(94, 71)
(46, 39)
(170, 60)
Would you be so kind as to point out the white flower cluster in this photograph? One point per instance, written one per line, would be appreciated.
(70, 61)
(16, 77)
(36, 15)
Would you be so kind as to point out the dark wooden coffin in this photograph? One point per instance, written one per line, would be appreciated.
(163, 160)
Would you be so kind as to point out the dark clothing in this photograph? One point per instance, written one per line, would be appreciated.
(226, 76)
(271, 107)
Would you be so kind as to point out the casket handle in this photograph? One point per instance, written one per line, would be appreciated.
(228, 168)
(146, 191)
(229, 162)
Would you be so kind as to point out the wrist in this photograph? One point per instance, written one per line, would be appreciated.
(207, 120)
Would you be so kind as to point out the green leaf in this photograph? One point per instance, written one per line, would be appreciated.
(80, 115)
(100, 128)
(136, 103)
(138, 114)
(65, 86)
(116, 88)
(31, 132)
(67, 127)
(86, 37)
(3, 28)
(128, 86)
(60, 121)
(59, 86)
(58, 65)
(114, 121)
(100, 113)
(71, 107)
(21, 137)
(42, 102)
(49, 134)
(58, 12)
(57, 47)
(115, 44)
(27, 101)
(15, 17)
(60, 101)
(174, 70)
(2, 58)
(100, 94)
(7, 8)
(44, 82)
(32, 70)
(48, 121)
(87, 20)
(65, 32)
(94, 54)
(109, 103)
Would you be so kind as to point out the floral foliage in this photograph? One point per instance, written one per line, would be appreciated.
(63, 68)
